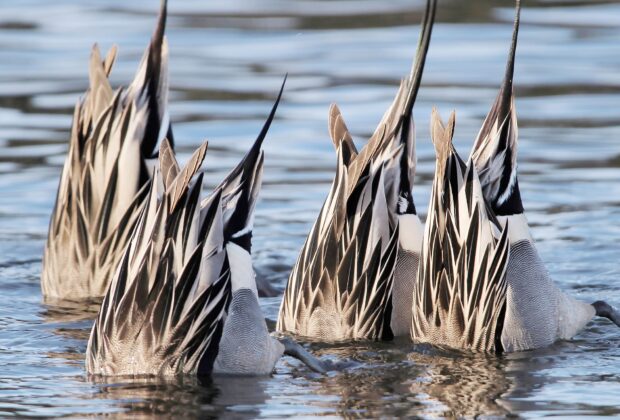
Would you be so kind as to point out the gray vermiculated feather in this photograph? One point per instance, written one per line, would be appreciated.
(537, 312)
(104, 180)
(533, 292)
(405, 274)
(461, 287)
(246, 348)
(341, 285)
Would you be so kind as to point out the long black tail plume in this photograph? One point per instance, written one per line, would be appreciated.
(510, 65)
(153, 74)
(503, 146)
(405, 119)
(247, 170)
(418, 65)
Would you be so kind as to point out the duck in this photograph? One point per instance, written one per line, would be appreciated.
(355, 273)
(112, 152)
(482, 285)
(183, 300)
(460, 294)
(538, 312)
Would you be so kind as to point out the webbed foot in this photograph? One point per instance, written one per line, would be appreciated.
(293, 349)
(605, 310)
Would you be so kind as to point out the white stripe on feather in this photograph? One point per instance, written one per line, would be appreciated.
(518, 228)
(410, 232)
(241, 270)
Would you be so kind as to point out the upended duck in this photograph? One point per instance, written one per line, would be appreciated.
(482, 284)
(538, 312)
(184, 298)
(354, 276)
(103, 186)
(460, 292)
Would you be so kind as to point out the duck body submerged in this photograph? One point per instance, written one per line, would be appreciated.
(355, 273)
(184, 298)
(103, 186)
(538, 312)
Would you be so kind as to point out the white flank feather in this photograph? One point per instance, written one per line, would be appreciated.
(241, 270)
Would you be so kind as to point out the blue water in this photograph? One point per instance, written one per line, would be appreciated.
(227, 59)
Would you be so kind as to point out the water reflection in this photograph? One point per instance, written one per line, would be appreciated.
(464, 385)
(64, 310)
(70, 322)
(184, 397)
(372, 383)
(411, 381)
(156, 396)
(227, 60)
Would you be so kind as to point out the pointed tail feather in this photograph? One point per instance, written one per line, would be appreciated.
(418, 65)
(179, 185)
(459, 299)
(110, 59)
(495, 149)
(340, 135)
(100, 92)
(160, 316)
(151, 80)
(241, 186)
(441, 136)
(168, 164)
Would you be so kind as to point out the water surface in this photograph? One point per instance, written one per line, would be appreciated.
(227, 59)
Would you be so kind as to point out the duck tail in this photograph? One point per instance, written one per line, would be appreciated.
(340, 135)
(159, 306)
(495, 149)
(241, 187)
(417, 68)
(459, 300)
(106, 175)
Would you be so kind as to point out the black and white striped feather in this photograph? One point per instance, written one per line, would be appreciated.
(396, 129)
(340, 287)
(104, 180)
(160, 315)
(166, 308)
(459, 298)
(538, 312)
(495, 149)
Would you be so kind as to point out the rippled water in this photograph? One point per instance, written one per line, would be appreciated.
(227, 60)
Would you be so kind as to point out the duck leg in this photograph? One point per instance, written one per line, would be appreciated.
(293, 349)
(607, 311)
